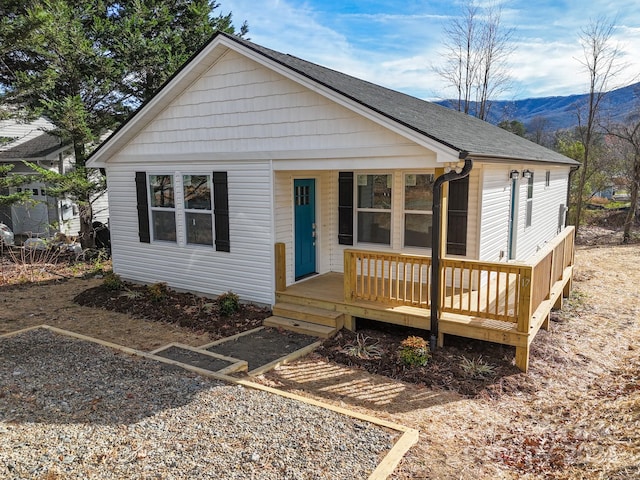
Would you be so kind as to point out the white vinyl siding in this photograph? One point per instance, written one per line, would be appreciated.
(246, 270)
(240, 106)
(496, 196)
(496, 204)
(547, 202)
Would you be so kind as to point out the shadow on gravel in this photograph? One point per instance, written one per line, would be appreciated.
(51, 378)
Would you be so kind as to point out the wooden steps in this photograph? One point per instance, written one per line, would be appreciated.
(300, 326)
(305, 319)
(306, 313)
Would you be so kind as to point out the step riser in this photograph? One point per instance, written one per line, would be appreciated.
(308, 317)
(305, 328)
(286, 298)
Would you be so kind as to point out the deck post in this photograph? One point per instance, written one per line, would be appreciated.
(348, 276)
(281, 267)
(349, 279)
(524, 315)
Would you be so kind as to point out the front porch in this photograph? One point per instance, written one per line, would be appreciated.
(505, 303)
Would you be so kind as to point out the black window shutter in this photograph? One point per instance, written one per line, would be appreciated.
(221, 211)
(143, 207)
(457, 217)
(345, 208)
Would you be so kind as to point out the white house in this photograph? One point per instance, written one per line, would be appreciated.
(246, 148)
(30, 141)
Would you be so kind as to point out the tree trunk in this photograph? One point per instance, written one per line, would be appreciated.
(635, 185)
(580, 195)
(86, 228)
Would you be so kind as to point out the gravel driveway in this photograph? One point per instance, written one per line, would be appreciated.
(74, 409)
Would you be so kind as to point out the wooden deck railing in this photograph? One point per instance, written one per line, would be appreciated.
(509, 292)
(390, 278)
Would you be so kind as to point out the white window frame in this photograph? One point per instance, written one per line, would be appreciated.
(195, 210)
(412, 212)
(153, 208)
(179, 209)
(528, 219)
(358, 209)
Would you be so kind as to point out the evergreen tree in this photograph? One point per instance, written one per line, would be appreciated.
(86, 64)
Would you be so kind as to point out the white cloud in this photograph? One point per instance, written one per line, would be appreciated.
(399, 49)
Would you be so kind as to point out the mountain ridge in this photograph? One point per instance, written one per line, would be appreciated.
(560, 112)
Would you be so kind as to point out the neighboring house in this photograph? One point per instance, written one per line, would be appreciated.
(251, 170)
(44, 214)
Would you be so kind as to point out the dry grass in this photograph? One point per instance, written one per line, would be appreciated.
(576, 415)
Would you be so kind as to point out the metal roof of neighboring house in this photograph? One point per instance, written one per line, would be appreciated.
(19, 140)
(452, 129)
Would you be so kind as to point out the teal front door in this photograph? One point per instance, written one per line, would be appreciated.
(304, 201)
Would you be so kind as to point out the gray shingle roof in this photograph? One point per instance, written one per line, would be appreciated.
(454, 129)
(37, 147)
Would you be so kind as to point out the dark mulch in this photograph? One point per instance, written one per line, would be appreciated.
(181, 308)
(263, 347)
(196, 359)
(444, 370)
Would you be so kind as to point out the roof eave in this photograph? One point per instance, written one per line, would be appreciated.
(482, 157)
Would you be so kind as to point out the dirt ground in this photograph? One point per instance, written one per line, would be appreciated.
(575, 415)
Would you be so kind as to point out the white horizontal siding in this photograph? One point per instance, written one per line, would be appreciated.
(240, 106)
(494, 216)
(246, 270)
(546, 209)
(496, 204)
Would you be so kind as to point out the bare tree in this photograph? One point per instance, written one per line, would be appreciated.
(476, 50)
(629, 134)
(538, 131)
(601, 62)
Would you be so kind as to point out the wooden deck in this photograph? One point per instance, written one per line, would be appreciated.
(505, 303)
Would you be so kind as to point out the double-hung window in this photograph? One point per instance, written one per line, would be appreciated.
(197, 209)
(163, 207)
(418, 205)
(374, 208)
(529, 215)
(187, 209)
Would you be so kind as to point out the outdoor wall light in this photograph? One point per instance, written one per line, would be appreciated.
(514, 174)
(527, 174)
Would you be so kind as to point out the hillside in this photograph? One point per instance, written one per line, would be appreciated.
(560, 112)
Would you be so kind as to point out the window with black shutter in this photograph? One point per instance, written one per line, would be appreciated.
(221, 211)
(143, 207)
(161, 213)
(345, 208)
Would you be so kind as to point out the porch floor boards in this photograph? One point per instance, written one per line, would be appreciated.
(327, 291)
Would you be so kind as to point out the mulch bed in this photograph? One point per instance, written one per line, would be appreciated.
(263, 347)
(181, 308)
(196, 359)
(444, 370)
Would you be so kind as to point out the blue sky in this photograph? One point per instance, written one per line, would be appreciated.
(398, 43)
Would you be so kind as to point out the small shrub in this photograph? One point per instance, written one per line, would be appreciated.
(131, 294)
(414, 352)
(476, 367)
(362, 349)
(158, 291)
(112, 281)
(228, 303)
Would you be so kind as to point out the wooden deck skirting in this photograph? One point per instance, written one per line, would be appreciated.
(503, 302)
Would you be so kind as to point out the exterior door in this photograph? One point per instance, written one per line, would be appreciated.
(304, 193)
